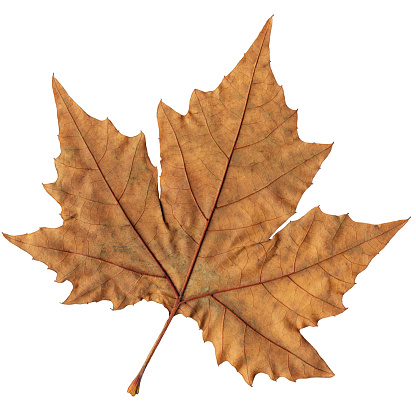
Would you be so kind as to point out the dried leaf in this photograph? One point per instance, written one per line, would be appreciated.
(233, 171)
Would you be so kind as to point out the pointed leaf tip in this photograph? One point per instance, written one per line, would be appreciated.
(269, 22)
(7, 237)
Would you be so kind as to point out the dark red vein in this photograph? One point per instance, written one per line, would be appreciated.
(297, 313)
(274, 180)
(268, 339)
(184, 164)
(336, 278)
(206, 122)
(264, 138)
(310, 294)
(112, 192)
(295, 271)
(245, 226)
(79, 196)
(9, 237)
(128, 293)
(225, 172)
(97, 286)
(339, 227)
(131, 169)
(145, 203)
(303, 241)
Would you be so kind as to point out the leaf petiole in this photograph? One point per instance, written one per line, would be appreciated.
(135, 384)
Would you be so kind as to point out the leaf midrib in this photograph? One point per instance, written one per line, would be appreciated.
(266, 338)
(295, 271)
(87, 256)
(115, 198)
(204, 232)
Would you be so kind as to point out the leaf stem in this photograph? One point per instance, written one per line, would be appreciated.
(135, 384)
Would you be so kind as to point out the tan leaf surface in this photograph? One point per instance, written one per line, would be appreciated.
(233, 171)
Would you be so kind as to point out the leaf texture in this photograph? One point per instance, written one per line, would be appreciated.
(233, 171)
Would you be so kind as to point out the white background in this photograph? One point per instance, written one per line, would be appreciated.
(347, 66)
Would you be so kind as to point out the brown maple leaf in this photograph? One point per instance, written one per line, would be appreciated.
(233, 171)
